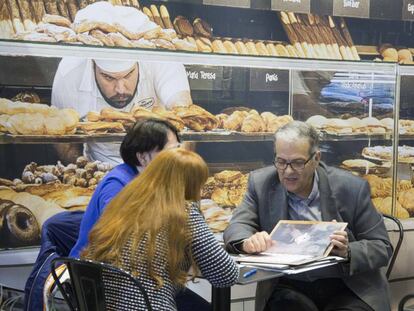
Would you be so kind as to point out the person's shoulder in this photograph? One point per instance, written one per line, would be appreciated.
(263, 175)
(122, 172)
(70, 65)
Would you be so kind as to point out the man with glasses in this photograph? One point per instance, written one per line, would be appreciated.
(301, 187)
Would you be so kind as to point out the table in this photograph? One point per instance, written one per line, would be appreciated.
(220, 297)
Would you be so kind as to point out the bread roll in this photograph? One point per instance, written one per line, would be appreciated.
(152, 33)
(156, 15)
(165, 16)
(291, 50)
(106, 40)
(281, 50)
(164, 44)
(390, 54)
(87, 26)
(271, 49)
(143, 44)
(56, 20)
(251, 48)
(261, 49)
(230, 47)
(202, 28)
(204, 45)
(184, 45)
(89, 40)
(148, 13)
(127, 33)
(404, 55)
(168, 34)
(218, 47)
(182, 26)
(241, 48)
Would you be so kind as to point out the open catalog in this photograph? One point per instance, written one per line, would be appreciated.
(296, 243)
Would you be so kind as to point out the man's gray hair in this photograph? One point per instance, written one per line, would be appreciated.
(296, 130)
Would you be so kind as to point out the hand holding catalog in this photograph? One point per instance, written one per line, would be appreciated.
(296, 243)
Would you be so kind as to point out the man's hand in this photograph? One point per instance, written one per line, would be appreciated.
(258, 242)
(340, 242)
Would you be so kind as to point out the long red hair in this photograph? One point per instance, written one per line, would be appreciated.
(155, 201)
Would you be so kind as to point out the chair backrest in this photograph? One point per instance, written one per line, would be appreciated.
(397, 246)
(98, 286)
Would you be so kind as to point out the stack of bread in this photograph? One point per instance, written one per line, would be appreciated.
(252, 122)
(82, 174)
(393, 54)
(381, 193)
(384, 153)
(335, 126)
(363, 167)
(21, 118)
(316, 36)
(226, 188)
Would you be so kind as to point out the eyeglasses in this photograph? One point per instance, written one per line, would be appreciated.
(296, 165)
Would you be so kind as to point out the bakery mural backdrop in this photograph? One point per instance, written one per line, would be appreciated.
(61, 131)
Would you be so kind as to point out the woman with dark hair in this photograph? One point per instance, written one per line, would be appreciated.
(158, 235)
(142, 143)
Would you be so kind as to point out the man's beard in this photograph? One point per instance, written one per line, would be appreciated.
(118, 101)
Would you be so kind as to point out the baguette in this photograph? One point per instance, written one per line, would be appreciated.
(63, 9)
(29, 21)
(38, 10)
(51, 7)
(148, 13)
(156, 15)
(135, 4)
(165, 16)
(72, 8)
(218, 47)
(6, 25)
(15, 15)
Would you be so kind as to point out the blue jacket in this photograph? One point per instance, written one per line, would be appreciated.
(108, 188)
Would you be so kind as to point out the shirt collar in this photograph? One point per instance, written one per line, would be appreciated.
(314, 193)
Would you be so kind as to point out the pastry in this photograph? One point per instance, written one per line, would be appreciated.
(253, 123)
(112, 114)
(163, 44)
(184, 45)
(86, 26)
(119, 40)
(143, 43)
(127, 33)
(222, 117)
(156, 16)
(152, 33)
(106, 40)
(337, 126)
(165, 16)
(27, 96)
(202, 28)
(182, 26)
(234, 121)
(89, 40)
(101, 127)
(167, 34)
(317, 121)
(228, 176)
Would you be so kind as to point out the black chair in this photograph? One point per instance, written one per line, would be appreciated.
(397, 246)
(96, 286)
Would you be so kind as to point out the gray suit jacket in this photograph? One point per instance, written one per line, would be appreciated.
(343, 197)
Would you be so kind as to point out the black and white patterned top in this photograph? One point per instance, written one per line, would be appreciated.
(213, 261)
